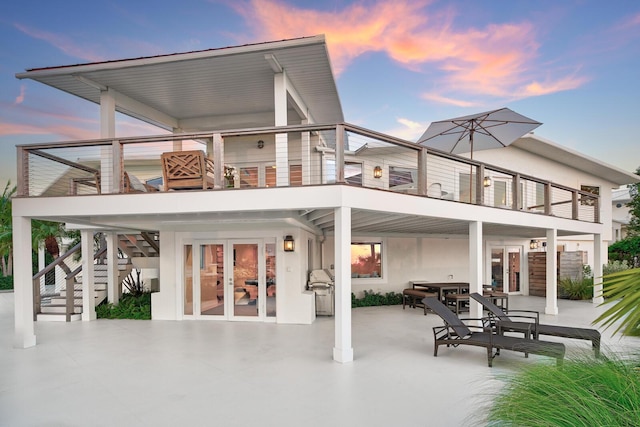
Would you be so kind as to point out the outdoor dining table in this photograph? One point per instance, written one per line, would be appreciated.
(441, 288)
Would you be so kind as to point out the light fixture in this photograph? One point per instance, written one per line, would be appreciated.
(486, 181)
(289, 244)
(533, 244)
(260, 144)
(377, 172)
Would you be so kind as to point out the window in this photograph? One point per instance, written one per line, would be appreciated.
(588, 201)
(366, 259)
(353, 173)
(402, 177)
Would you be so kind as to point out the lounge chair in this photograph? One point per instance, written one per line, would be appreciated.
(455, 333)
(538, 328)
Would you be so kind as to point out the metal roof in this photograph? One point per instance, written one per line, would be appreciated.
(210, 89)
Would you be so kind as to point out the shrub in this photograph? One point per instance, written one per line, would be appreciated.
(615, 266)
(576, 289)
(583, 392)
(130, 307)
(376, 298)
(6, 282)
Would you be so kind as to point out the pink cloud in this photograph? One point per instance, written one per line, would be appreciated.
(64, 131)
(497, 60)
(61, 42)
(20, 98)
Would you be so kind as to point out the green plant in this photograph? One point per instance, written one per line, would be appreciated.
(371, 299)
(582, 392)
(130, 307)
(6, 282)
(134, 285)
(626, 250)
(576, 289)
(622, 291)
(615, 266)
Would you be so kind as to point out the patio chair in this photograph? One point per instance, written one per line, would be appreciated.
(187, 170)
(455, 333)
(537, 329)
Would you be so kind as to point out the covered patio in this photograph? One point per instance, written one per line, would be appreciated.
(157, 373)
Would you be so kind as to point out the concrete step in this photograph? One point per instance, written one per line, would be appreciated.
(59, 309)
(57, 317)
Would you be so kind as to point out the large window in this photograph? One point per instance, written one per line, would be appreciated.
(366, 259)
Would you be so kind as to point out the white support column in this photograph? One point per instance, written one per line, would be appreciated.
(552, 272)
(475, 267)
(113, 285)
(168, 303)
(342, 350)
(107, 130)
(282, 139)
(598, 261)
(88, 288)
(306, 158)
(24, 328)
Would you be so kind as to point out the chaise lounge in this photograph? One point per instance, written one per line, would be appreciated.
(455, 333)
(537, 329)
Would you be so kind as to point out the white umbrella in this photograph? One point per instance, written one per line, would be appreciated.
(482, 131)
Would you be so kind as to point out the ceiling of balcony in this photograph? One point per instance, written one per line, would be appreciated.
(217, 88)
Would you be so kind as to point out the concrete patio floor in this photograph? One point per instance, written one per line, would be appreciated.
(169, 373)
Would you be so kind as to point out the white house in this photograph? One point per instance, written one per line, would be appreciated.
(292, 188)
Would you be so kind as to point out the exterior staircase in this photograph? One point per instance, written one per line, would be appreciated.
(53, 308)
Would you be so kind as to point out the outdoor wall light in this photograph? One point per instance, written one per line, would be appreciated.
(486, 181)
(377, 172)
(533, 244)
(260, 144)
(289, 244)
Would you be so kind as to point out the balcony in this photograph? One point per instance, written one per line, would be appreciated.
(301, 155)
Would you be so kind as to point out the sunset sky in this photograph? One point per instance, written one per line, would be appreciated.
(573, 65)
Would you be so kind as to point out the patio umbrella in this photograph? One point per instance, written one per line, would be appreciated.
(491, 129)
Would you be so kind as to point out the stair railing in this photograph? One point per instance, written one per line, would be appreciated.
(60, 261)
(71, 279)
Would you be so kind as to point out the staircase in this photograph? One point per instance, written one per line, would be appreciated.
(53, 308)
(142, 245)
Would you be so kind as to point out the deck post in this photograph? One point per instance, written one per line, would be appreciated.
(475, 266)
(342, 350)
(24, 328)
(282, 139)
(552, 275)
(422, 171)
(113, 285)
(598, 261)
(88, 288)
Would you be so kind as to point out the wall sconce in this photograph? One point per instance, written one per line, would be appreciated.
(260, 144)
(533, 244)
(486, 181)
(289, 244)
(377, 172)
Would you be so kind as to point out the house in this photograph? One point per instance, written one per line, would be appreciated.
(254, 179)
(621, 213)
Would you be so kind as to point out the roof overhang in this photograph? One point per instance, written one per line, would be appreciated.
(210, 89)
(545, 148)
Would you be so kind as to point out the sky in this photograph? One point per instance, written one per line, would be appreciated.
(399, 65)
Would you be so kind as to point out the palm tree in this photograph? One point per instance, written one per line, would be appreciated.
(49, 233)
(622, 290)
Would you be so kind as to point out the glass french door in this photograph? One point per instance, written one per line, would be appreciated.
(230, 279)
(506, 265)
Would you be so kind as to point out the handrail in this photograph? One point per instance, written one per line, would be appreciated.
(56, 262)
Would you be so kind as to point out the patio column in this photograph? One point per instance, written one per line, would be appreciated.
(282, 139)
(552, 272)
(88, 288)
(475, 267)
(598, 261)
(24, 328)
(107, 130)
(342, 350)
(113, 285)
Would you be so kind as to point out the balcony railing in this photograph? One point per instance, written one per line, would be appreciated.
(293, 156)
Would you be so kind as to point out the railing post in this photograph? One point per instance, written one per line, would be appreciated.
(70, 298)
(22, 172)
(422, 171)
(574, 204)
(218, 161)
(37, 300)
(596, 207)
(480, 184)
(547, 198)
(517, 195)
(117, 183)
(340, 153)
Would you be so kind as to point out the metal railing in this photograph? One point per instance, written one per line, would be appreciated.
(294, 156)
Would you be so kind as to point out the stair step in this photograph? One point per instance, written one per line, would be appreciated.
(57, 317)
(59, 309)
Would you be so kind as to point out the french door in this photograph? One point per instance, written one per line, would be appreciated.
(230, 279)
(505, 268)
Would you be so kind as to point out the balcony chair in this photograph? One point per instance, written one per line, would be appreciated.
(536, 329)
(187, 170)
(455, 333)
